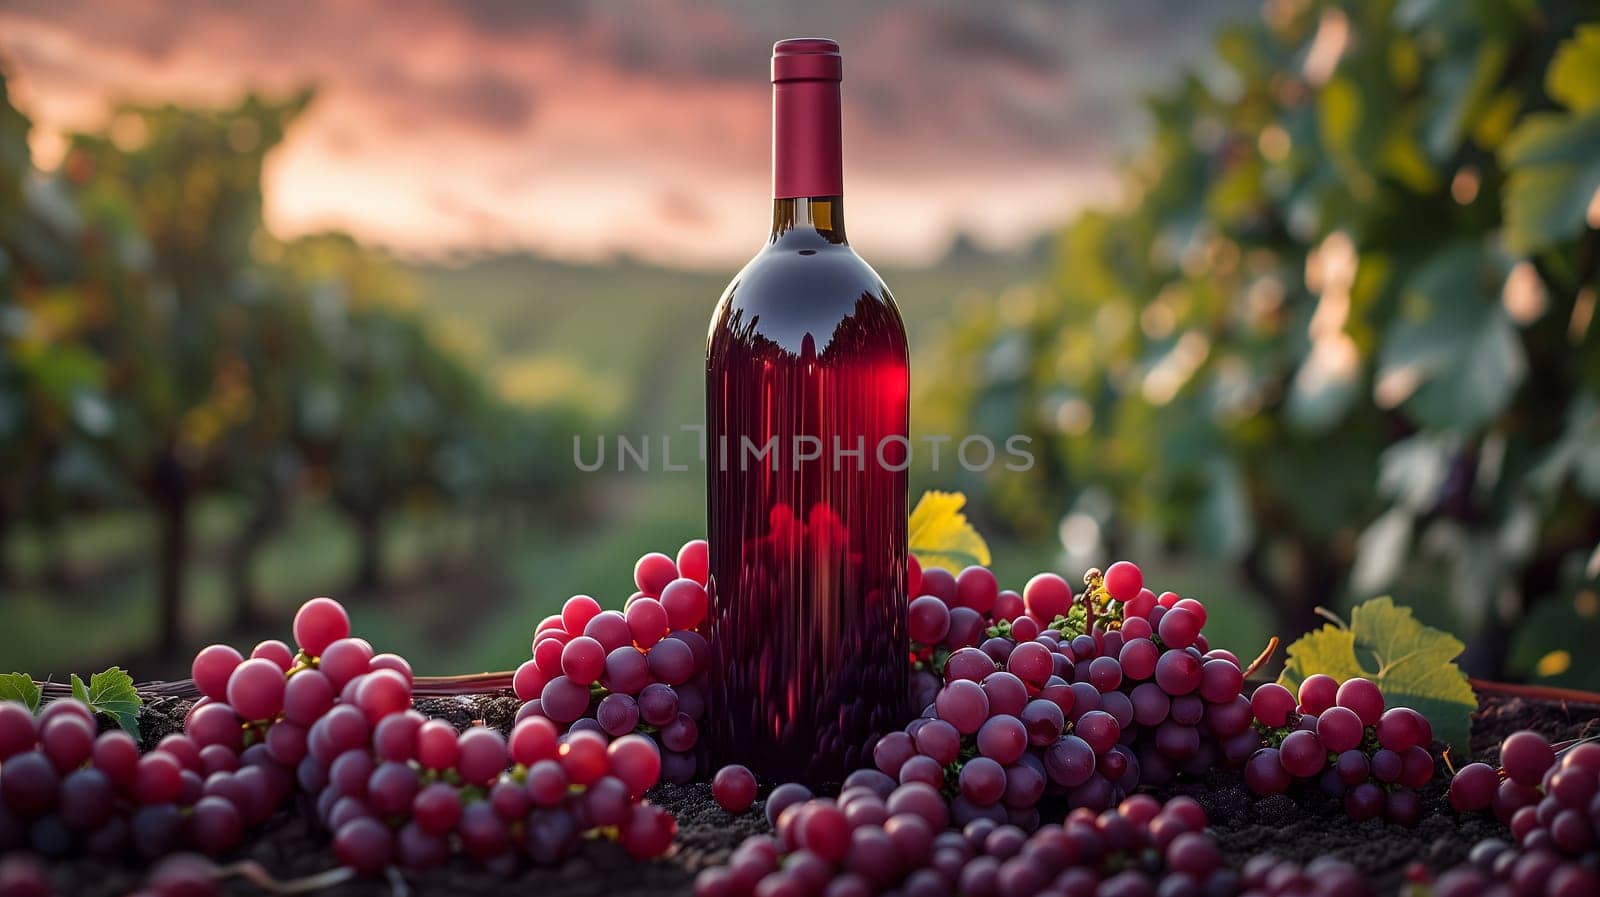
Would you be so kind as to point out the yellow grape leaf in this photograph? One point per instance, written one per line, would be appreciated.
(1412, 664)
(940, 535)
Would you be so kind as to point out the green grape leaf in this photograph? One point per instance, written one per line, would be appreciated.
(1412, 664)
(111, 692)
(20, 687)
(1573, 78)
(940, 535)
(1553, 160)
(1553, 165)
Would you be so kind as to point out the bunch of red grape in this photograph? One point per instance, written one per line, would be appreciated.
(866, 843)
(1265, 875)
(1550, 802)
(334, 719)
(641, 669)
(1044, 692)
(1341, 737)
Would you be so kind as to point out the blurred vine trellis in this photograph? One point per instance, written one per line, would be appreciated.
(1342, 334)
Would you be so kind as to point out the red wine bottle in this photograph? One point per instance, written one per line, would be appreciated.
(806, 405)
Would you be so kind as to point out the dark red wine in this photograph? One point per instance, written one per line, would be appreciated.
(806, 403)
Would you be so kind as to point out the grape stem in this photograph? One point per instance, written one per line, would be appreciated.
(1263, 657)
(256, 874)
(1331, 617)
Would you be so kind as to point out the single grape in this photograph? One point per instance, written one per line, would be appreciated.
(1178, 628)
(319, 623)
(1271, 704)
(626, 670)
(685, 602)
(1070, 761)
(658, 704)
(976, 588)
(1138, 657)
(1400, 728)
(647, 832)
(256, 689)
(158, 779)
(1318, 692)
(1264, 773)
(436, 809)
(1047, 596)
(1525, 756)
(1105, 673)
(963, 704)
(1362, 696)
(610, 629)
(734, 788)
(1178, 672)
(1302, 754)
(564, 700)
(115, 754)
(647, 621)
(1043, 720)
(1123, 580)
(966, 628)
(382, 693)
(67, 741)
(783, 797)
(1005, 738)
(211, 668)
(437, 746)
(1220, 680)
(968, 663)
(940, 582)
(927, 620)
(481, 755)
(1031, 662)
(680, 735)
(344, 660)
(1099, 730)
(671, 661)
(363, 844)
(940, 740)
(583, 660)
(652, 573)
(577, 612)
(1364, 801)
(694, 561)
(618, 714)
(583, 757)
(1006, 693)
(1339, 729)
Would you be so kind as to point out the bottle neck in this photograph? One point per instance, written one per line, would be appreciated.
(808, 216)
(807, 146)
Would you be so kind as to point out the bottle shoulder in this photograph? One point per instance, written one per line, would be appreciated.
(787, 293)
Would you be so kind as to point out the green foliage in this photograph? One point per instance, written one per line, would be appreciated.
(1412, 664)
(158, 346)
(20, 687)
(111, 692)
(1341, 335)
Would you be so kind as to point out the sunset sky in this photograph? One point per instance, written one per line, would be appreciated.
(583, 128)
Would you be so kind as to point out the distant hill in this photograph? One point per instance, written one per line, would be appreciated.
(626, 339)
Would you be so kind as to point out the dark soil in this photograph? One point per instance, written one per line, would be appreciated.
(291, 846)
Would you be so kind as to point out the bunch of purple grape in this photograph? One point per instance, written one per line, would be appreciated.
(1043, 692)
(1265, 875)
(638, 670)
(1551, 802)
(1341, 737)
(334, 719)
(864, 844)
